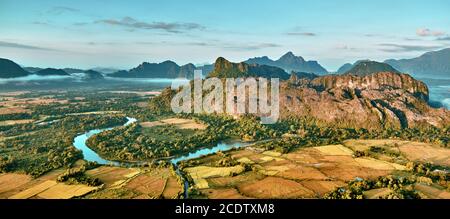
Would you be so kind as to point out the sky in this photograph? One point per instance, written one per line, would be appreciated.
(123, 34)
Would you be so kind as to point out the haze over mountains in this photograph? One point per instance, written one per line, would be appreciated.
(11, 70)
(435, 64)
(52, 72)
(167, 69)
(289, 62)
(430, 64)
(377, 92)
(226, 69)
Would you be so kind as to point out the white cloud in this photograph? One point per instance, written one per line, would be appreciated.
(423, 32)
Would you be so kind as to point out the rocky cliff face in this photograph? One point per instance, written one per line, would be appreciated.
(376, 81)
(375, 101)
(226, 69)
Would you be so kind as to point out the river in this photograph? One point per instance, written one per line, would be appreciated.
(90, 155)
(80, 143)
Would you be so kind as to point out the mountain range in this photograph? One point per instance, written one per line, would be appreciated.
(167, 69)
(93, 75)
(435, 64)
(10, 69)
(364, 68)
(372, 95)
(430, 64)
(347, 66)
(226, 69)
(380, 95)
(52, 72)
(289, 62)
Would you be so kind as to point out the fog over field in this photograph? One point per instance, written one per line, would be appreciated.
(77, 81)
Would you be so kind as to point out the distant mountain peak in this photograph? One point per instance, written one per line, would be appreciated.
(93, 75)
(221, 59)
(435, 64)
(290, 57)
(226, 69)
(344, 68)
(166, 69)
(288, 54)
(347, 66)
(52, 72)
(10, 69)
(290, 62)
(168, 62)
(364, 68)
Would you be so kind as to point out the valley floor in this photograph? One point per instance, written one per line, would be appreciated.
(304, 173)
(288, 161)
(314, 172)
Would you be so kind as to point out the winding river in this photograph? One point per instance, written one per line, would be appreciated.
(80, 143)
(90, 155)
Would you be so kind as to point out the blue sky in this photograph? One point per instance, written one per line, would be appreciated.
(122, 34)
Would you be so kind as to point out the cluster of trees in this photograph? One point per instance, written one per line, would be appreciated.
(225, 160)
(160, 105)
(96, 101)
(132, 144)
(78, 176)
(292, 133)
(15, 116)
(429, 134)
(374, 151)
(247, 128)
(436, 173)
(18, 129)
(6, 163)
(400, 187)
(300, 132)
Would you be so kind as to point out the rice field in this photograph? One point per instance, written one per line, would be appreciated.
(12, 181)
(148, 183)
(304, 173)
(177, 122)
(112, 176)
